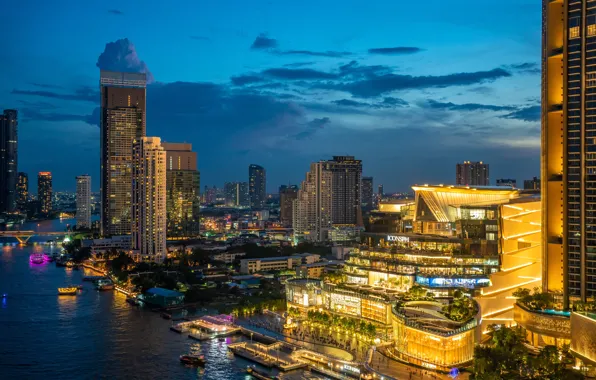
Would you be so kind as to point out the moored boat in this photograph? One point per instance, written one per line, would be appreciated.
(37, 258)
(70, 291)
(253, 371)
(193, 360)
(105, 287)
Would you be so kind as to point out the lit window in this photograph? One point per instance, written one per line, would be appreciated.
(574, 32)
(592, 30)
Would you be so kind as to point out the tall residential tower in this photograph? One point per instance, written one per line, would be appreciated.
(8, 161)
(472, 174)
(84, 201)
(257, 184)
(44, 192)
(122, 121)
(182, 190)
(149, 199)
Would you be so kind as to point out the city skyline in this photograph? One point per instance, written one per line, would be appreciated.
(299, 98)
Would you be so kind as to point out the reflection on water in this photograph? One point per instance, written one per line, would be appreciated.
(90, 335)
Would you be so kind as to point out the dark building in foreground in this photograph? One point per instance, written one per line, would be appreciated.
(472, 174)
(257, 183)
(367, 193)
(122, 121)
(8, 161)
(182, 190)
(44, 192)
(287, 195)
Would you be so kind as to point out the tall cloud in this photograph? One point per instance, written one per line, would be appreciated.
(122, 56)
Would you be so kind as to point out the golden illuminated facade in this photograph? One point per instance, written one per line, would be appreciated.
(520, 241)
(425, 338)
(569, 149)
(149, 199)
(122, 121)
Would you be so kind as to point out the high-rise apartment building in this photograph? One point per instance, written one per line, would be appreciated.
(44, 192)
(83, 201)
(257, 182)
(472, 174)
(328, 197)
(8, 161)
(210, 195)
(380, 191)
(287, 195)
(149, 199)
(22, 190)
(568, 166)
(367, 193)
(122, 121)
(532, 184)
(506, 182)
(182, 190)
(236, 194)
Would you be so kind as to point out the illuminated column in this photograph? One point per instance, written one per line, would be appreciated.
(149, 199)
(554, 150)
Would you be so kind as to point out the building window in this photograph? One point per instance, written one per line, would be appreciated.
(591, 78)
(592, 30)
(574, 32)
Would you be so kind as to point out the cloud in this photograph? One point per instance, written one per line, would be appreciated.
(529, 114)
(354, 70)
(382, 84)
(121, 56)
(298, 74)
(299, 64)
(388, 102)
(115, 12)
(200, 38)
(328, 53)
(525, 68)
(242, 80)
(466, 106)
(400, 50)
(44, 85)
(312, 127)
(32, 114)
(263, 42)
(85, 94)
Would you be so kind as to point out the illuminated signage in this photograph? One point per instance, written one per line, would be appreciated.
(441, 282)
(400, 239)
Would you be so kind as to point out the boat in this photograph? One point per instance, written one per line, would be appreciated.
(70, 291)
(254, 372)
(105, 287)
(198, 360)
(37, 258)
(70, 264)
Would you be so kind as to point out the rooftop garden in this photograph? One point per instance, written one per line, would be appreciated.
(536, 300)
(461, 308)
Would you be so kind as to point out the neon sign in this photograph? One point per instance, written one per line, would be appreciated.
(399, 239)
(442, 282)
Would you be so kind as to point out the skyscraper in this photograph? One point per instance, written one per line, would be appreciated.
(472, 174)
(367, 193)
(149, 199)
(8, 161)
(83, 198)
(257, 182)
(287, 195)
(568, 165)
(22, 190)
(328, 197)
(122, 121)
(182, 190)
(380, 191)
(236, 194)
(44, 192)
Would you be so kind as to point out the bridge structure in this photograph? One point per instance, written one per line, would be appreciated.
(24, 236)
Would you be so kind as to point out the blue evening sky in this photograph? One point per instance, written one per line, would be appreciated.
(409, 87)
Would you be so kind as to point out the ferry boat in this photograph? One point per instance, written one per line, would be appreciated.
(70, 291)
(37, 258)
(105, 287)
(197, 360)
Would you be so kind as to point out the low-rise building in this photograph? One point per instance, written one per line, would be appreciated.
(318, 269)
(162, 297)
(228, 257)
(266, 264)
(118, 243)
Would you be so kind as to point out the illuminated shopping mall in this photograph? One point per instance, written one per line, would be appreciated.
(482, 240)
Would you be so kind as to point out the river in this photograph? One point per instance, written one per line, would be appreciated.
(92, 335)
